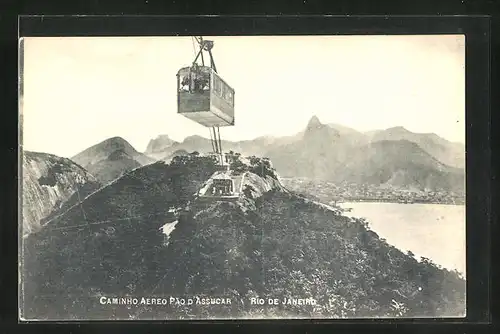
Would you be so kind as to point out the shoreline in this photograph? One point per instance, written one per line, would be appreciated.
(395, 202)
(386, 229)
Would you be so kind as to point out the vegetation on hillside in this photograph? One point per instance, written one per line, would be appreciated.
(259, 166)
(110, 243)
(289, 247)
(274, 246)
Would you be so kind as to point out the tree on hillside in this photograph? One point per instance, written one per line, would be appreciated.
(290, 247)
(279, 246)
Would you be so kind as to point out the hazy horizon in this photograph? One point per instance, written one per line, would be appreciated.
(80, 91)
(143, 149)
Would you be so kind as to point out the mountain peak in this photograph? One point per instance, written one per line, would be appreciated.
(162, 137)
(319, 132)
(115, 143)
(194, 138)
(114, 147)
(314, 122)
(400, 129)
(117, 139)
(108, 146)
(161, 142)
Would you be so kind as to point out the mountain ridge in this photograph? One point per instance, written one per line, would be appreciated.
(449, 153)
(323, 151)
(332, 156)
(385, 161)
(320, 149)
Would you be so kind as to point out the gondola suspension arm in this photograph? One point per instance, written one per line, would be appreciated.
(205, 45)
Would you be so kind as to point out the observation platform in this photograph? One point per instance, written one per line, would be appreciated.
(222, 186)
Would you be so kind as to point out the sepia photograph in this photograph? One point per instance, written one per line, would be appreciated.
(242, 177)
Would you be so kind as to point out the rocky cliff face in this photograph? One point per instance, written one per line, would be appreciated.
(159, 147)
(48, 182)
(261, 184)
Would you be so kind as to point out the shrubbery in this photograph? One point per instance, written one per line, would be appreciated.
(259, 166)
(288, 247)
(111, 243)
(284, 247)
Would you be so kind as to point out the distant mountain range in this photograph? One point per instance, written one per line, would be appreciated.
(330, 152)
(449, 153)
(337, 153)
(111, 158)
(327, 153)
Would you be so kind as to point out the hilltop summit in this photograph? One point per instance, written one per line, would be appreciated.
(400, 129)
(102, 150)
(318, 133)
(111, 158)
(314, 122)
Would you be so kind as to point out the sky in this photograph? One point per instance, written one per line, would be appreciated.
(79, 91)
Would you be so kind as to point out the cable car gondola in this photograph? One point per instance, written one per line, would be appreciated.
(204, 97)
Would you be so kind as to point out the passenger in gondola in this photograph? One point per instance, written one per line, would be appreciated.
(200, 84)
(196, 85)
(185, 83)
(204, 85)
